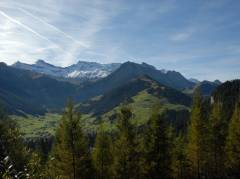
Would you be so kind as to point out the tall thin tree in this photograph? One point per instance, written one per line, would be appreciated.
(233, 144)
(102, 154)
(125, 154)
(157, 159)
(196, 146)
(70, 153)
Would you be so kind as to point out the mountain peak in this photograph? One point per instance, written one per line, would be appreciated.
(148, 66)
(128, 65)
(3, 64)
(17, 63)
(40, 62)
(218, 82)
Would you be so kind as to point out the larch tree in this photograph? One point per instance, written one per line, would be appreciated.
(157, 153)
(70, 158)
(217, 137)
(102, 154)
(125, 165)
(196, 146)
(233, 144)
(179, 162)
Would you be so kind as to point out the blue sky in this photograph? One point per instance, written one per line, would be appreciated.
(199, 38)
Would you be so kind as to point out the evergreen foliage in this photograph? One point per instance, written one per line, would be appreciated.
(16, 161)
(233, 144)
(125, 165)
(217, 137)
(157, 148)
(71, 157)
(197, 144)
(209, 148)
(102, 154)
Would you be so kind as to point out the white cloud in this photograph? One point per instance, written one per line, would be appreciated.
(57, 31)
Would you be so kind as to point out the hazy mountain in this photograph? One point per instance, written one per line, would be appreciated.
(206, 87)
(228, 94)
(82, 70)
(33, 93)
(217, 82)
(92, 71)
(194, 80)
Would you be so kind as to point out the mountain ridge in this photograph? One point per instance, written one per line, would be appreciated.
(126, 91)
(19, 86)
(82, 70)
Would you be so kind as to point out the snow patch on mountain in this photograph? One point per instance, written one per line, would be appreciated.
(81, 70)
(88, 74)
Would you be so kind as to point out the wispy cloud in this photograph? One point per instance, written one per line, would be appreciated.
(54, 28)
(64, 32)
(188, 36)
(23, 25)
(181, 36)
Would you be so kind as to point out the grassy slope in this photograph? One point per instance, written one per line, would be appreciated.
(35, 126)
(141, 106)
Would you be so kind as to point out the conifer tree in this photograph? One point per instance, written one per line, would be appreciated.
(125, 154)
(157, 159)
(102, 154)
(12, 143)
(71, 157)
(233, 144)
(12, 148)
(217, 138)
(179, 162)
(197, 144)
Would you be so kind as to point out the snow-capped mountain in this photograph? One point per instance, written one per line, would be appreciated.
(82, 70)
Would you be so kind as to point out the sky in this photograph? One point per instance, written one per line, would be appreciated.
(198, 38)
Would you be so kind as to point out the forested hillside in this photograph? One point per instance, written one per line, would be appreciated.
(207, 148)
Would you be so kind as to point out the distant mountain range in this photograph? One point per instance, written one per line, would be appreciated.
(38, 88)
(23, 91)
(206, 87)
(82, 70)
(128, 71)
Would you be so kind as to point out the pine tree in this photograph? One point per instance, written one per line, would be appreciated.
(71, 157)
(179, 158)
(157, 153)
(102, 154)
(125, 154)
(197, 144)
(12, 143)
(218, 133)
(233, 144)
(35, 167)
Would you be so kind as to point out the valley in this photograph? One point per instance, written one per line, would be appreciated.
(140, 86)
(130, 101)
(99, 89)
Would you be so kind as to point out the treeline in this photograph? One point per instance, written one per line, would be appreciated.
(208, 148)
